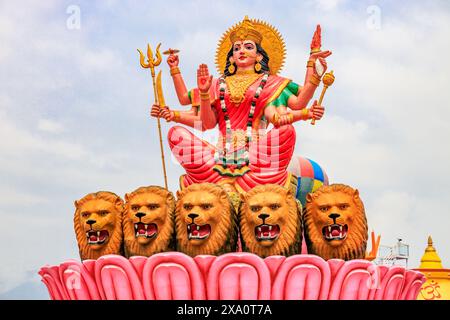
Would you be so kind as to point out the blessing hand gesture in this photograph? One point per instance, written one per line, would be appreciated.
(204, 80)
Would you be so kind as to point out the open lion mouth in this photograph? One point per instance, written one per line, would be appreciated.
(198, 232)
(145, 230)
(267, 232)
(97, 237)
(335, 232)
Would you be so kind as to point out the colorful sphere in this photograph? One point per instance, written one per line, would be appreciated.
(310, 176)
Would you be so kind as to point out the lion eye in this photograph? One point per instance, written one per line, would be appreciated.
(255, 208)
(206, 206)
(323, 209)
(103, 213)
(153, 206)
(85, 214)
(343, 206)
(274, 206)
(187, 207)
(135, 208)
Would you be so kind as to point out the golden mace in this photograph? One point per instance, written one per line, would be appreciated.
(327, 80)
(151, 64)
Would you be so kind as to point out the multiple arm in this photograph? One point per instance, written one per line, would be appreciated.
(204, 119)
(180, 86)
(312, 81)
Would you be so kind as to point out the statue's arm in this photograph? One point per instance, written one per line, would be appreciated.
(177, 78)
(207, 115)
(279, 116)
(312, 81)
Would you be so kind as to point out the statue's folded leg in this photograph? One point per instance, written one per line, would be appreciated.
(269, 159)
(195, 155)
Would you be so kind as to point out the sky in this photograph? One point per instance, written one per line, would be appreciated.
(74, 111)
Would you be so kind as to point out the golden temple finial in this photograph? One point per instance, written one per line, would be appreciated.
(430, 259)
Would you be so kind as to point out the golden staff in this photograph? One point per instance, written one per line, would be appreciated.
(327, 80)
(151, 64)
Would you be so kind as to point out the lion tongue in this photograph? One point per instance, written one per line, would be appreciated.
(335, 232)
(93, 238)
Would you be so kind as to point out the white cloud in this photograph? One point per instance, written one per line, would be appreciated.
(50, 126)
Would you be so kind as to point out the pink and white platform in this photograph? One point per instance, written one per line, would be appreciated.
(232, 276)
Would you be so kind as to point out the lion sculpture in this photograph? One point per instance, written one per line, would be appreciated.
(98, 224)
(270, 221)
(206, 221)
(148, 221)
(335, 223)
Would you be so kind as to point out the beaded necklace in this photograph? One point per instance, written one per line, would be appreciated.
(228, 132)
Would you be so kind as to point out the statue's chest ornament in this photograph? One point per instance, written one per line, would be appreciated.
(238, 85)
(225, 155)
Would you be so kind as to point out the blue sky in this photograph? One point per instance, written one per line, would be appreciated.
(74, 107)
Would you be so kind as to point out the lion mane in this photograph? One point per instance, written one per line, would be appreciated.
(165, 239)
(289, 221)
(115, 242)
(354, 245)
(223, 236)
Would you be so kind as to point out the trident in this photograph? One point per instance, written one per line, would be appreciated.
(152, 63)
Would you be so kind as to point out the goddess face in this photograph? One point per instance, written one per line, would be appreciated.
(245, 54)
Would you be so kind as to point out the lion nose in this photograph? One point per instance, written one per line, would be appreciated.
(263, 216)
(192, 215)
(334, 216)
(91, 222)
(140, 215)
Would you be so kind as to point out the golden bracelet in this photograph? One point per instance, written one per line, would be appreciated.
(315, 80)
(305, 113)
(290, 118)
(204, 95)
(275, 119)
(176, 116)
(310, 64)
(174, 71)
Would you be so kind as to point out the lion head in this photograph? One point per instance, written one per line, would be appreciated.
(148, 221)
(98, 224)
(270, 220)
(206, 222)
(335, 223)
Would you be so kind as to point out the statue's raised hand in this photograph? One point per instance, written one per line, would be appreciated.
(204, 80)
(321, 55)
(173, 60)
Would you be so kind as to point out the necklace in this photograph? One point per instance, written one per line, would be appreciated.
(244, 159)
(238, 85)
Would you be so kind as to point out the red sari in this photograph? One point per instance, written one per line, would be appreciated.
(269, 153)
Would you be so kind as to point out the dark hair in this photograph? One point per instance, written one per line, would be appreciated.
(264, 62)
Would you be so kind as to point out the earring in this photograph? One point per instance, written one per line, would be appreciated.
(231, 67)
(258, 65)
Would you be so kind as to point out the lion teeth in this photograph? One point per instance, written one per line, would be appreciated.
(329, 229)
(189, 227)
(340, 227)
(259, 229)
(270, 228)
(146, 226)
(198, 228)
(135, 226)
(98, 234)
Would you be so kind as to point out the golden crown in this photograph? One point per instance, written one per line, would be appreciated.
(259, 31)
(246, 31)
